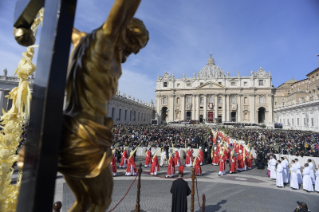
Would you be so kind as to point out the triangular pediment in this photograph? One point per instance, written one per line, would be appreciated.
(210, 84)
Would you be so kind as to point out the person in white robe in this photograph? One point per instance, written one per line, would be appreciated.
(163, 158)
(317, 180)
(307, 183)
(284, 172)
(287, 169)
(299, 176)
(279, 175)
(272, 163)
(293, 176)
(312, 172)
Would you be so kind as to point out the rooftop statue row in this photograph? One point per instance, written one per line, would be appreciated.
(211, 70)
(151, 104)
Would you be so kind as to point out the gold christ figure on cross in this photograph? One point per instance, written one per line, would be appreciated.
(92, 80)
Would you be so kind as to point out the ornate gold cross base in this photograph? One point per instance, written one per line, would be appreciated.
(137, 207)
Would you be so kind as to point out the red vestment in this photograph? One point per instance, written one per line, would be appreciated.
(131, 167)
(233, 165)
(148, 160)
(113, 165)
(177, 160)
(236, 147)
(170, 168)
(155, 167)
(249, 161)
(200, 156)
(215, 158)
(189, 158)
(222, 164)
(198, 169)
(124, 159)
(240, 160)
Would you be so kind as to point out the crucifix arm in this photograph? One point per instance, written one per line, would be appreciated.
(120, 15)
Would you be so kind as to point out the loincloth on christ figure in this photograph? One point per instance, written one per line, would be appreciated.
(85, 149)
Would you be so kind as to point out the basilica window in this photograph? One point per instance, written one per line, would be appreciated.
(233, 83)
(292, 121)
(261, 100)
(165, 84)
(233, 100)
(201, 101)
(261, 82)
(164, 100)
(297, 121)
(189, 84)
(220, 83)
(178, 84)
(201, 84)
(188, 100)
(219, 100)
(245, 100)
(210, 99)
(245, 83)
(275, 103)
(177, 100)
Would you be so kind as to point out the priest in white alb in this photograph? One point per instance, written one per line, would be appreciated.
(299, 176)
(279, 175)
(307, 183)
(293, 176)
(272, 162)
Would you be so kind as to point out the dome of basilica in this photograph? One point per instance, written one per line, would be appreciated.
(211, 69)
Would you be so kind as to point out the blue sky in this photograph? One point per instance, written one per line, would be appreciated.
(279, 35)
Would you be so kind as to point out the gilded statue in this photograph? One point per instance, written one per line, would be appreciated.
(92, 80)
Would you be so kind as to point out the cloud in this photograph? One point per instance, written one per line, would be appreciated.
(137, 85)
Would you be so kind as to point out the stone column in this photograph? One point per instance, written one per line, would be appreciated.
(227, 108)
(224, 108)
(205, 107)
(183, 106)
(197, 107)
(193, 106)
(158, 106)
(270, 107)
(252, 108)
(171, 107)
(2, 101)
(215, 106)
(239, 107)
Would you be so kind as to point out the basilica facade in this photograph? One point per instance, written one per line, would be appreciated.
(213, 96)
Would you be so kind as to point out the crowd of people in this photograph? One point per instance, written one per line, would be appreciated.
(218, 147)
(292, 142)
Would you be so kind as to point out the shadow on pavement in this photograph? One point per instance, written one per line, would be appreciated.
(216, 207)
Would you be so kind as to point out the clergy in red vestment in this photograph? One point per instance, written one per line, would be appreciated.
(189, 158)
(200, 156)
(233, 163)
(249, 160)
(240, 161)
(215, 157)
(177, 160)
(113, 164)
(148, 158)
(155, 167)
(171, 167)
(198, 169)
(131, 167)
(222, 163)
(123, 163)
(236, 147)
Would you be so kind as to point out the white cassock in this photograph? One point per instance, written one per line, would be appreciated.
(284, 172)
(317, 181)
(163, 158)
(272, 163)
(299, 176)
(307, 183)
(312, 173)
(279, 176)
(293, 177)
(286, 169)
